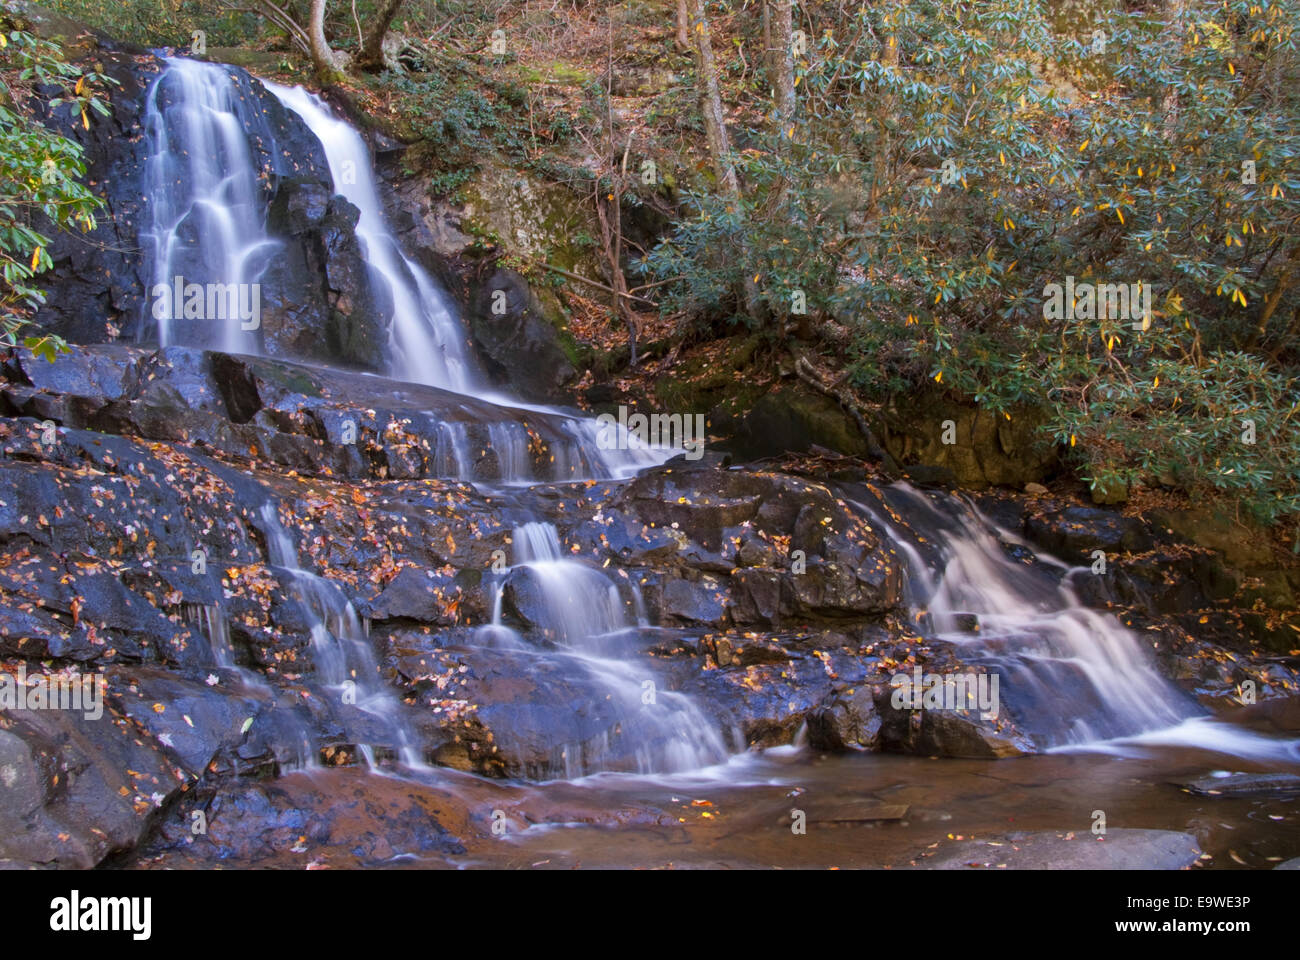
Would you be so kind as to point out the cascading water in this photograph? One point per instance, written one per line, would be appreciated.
(208, 206)
(289, 728)
(427, 342)
(1076, 677)
(583, 613)
(341, 650)
(426, 336)
(1079, 676)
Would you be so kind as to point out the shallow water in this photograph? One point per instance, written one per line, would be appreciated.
(862, 811)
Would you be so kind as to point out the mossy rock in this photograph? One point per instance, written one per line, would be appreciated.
(258, 61)
(979, 448)
(530, 218)
(1240, 544)
(790, 418)
(703, 381)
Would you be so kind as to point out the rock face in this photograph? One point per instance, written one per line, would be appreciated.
(966, 446)
(303, 418)
(519, 344)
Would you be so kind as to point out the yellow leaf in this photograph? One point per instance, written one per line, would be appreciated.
(81, 83)
(1071, 439)
(1155, 383)
(938, 377)
(36, 258)
(1231, 69)
(1084, 146)
(85, 120)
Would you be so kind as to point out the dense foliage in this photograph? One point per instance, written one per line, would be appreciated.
(950, 160)
(41, 173)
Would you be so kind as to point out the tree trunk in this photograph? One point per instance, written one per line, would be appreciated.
(683, 26)
(783, 62)
(323, 59)
(768, 61)
(371, 57)
(715, 128)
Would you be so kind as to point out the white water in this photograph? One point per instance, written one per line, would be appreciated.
(345, 662)
(1079, 679)
(427, 343)
(426, 339)
(207, 208)
(585, 615)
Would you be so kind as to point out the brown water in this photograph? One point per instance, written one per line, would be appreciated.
(862, 811)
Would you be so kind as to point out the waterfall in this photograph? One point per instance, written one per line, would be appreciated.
(345, 662)
(289, 726)
(207, 218)
(1076, 678)
(583, 614)
(426, 338)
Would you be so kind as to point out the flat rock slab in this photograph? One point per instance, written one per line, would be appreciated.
(1048, 850)
(1292, 864)
(1244, 784)
(858, 812)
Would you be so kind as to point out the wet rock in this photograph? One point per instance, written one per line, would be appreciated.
(309, 419)
(78, 788)
(356, 820)
(790, 419)
(1074, 532)
(1245, 785)
(523, 712)
(414, 594)
(196, 720)
(1119, 849)
(846, 721)
(949, 733)
(684, 602)
(518, 344)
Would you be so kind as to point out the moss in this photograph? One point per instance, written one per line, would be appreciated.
(579, 354)
(556, 72)
(530, 218)
(702, 382)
